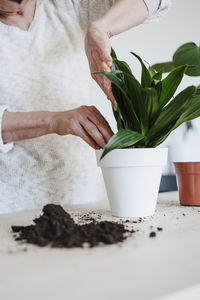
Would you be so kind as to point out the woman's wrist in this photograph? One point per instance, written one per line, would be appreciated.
(58, 121)
(113, 23)
(100, 26)
(52, 121)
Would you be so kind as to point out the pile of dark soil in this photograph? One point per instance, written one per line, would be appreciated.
(57, 228)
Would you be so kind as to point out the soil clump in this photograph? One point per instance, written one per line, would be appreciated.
(56, 228)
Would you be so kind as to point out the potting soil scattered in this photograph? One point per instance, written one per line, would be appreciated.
(57, 228)
(159, 228)
(152, 234)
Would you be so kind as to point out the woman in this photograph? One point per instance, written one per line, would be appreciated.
(43, 83)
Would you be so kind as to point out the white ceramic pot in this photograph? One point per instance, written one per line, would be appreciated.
(132, 178)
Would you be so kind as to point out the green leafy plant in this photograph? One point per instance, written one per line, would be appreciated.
(148, 111)
(189, 54)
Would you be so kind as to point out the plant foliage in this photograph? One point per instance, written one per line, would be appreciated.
(148, 111)
(189, 54)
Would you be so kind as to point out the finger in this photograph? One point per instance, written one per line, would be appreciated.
(103, 82)
(101, 65)
(101, 123)
(105, 55)
(86, 137)
(111, 98)
(101, 79)
(98, 78)
(99, 115)
(106, 87)
(93, 132)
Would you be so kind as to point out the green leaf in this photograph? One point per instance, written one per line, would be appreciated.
(157, 76)
(118, 117)
(152, 71)
(170, 84)
(146, 77)
(151, 102)
(165, 67)
(126, 106)
(120, 123)
(122, 139)
(134, 91)
(192, 111)
(119, 96)
(158, 87)
(113, 54)
(189, 54)
(189, 125)
(135, 94)
(122, 66)
(193, 70)
(171, 112)
(161, 136)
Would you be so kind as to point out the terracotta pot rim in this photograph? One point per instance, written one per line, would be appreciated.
(187, 173)
(186, 162)
(189, 168)
(198, 205)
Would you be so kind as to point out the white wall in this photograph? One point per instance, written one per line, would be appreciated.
(156, 42)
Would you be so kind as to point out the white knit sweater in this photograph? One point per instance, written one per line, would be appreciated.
(45, 68)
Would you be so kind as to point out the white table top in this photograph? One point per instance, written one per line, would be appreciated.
(140, 268)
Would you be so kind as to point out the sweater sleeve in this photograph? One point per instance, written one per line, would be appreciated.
(152, 6)
(155, 15)
(4, 148)
(90, 10)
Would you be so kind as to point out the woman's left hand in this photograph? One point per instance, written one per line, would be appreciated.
(98, 51)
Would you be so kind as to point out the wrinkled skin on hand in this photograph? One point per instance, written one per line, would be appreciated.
(87, 123)
(98, 49)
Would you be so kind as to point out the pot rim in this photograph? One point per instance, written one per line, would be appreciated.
(135, 149)
(134, 157)
(186, 162)
(187, 168)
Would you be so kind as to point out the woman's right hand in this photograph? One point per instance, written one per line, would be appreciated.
(86, 122)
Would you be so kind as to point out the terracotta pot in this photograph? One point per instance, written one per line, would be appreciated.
(188, 177)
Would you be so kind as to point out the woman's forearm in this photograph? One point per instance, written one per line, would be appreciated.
(85, 122)
(18, 126)
(123, 15)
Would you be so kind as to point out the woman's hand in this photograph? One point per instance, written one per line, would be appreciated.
(85, 122)
(98, 49)
(123, 15)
